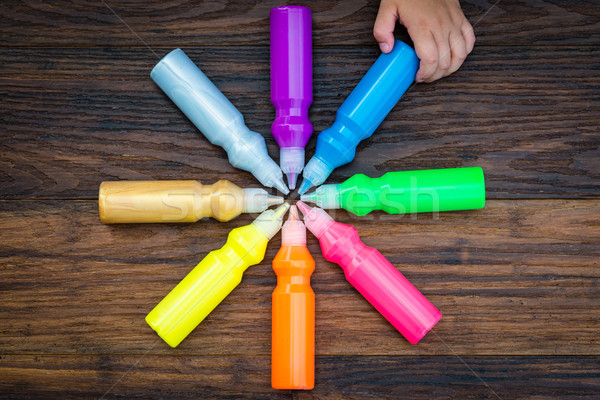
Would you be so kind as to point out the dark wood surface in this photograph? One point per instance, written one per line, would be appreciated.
(518, 266)
(337, 377)
(527, 115)
(83, 24)
(517, 282)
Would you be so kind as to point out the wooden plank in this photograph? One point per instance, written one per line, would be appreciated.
(147, 376)
(518, 277)
(72, 118)
(449, 378)
(67, 23)
(351, 377)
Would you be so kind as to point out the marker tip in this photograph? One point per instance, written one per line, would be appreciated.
(310, 197)
(304, 209)
(292, 176)
(281, 210)
(306, 184)
(280, 185)
(272, 200)
(293, 214)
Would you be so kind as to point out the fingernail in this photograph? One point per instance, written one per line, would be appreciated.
(384, 47)
(419, 78)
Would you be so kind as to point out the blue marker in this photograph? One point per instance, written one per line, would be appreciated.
(362, 112)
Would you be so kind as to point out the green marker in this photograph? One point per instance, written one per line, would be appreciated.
(403, 192)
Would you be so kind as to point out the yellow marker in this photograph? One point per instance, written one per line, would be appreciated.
(178, 201)
(214, 278)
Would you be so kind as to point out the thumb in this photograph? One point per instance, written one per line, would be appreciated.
(384, 26)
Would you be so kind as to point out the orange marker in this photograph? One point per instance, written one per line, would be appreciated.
(293, 340)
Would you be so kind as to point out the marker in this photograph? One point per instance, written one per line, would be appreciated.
(125, 202)
(215, 116)
(293, 331)
(186, 306)
(372, 275)
(362, 112)
(405, 192)
(291, 85)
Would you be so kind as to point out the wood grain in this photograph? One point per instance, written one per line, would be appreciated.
(518, 277)
(146, 376)
(354, 377)
(451, 377)
(517, 282)
(72, 119)
(72, 23)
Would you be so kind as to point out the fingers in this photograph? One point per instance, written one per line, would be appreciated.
(444, 56)
(384, 26)
(427, 51)
(442, 53)
(459, 51)
(440, 32)
(468, 34)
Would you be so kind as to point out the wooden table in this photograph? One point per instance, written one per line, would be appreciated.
(517, 282)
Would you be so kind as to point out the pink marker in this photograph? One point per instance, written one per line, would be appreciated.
(372, 275)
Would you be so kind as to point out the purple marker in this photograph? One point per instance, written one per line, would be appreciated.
(291, 85)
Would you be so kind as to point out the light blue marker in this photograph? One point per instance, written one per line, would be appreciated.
(362, 112)
(204, 104)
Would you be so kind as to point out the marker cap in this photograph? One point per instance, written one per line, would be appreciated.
(269, 222)
(293, 232)
(258, 200)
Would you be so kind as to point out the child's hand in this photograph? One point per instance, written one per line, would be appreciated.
(442, 35)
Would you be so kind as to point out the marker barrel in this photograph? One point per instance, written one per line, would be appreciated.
(293, 330)
(291, 84)
(362, 112)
